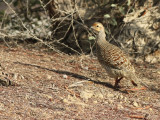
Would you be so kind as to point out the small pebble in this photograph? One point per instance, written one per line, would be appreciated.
(135, 104)
(65, 76)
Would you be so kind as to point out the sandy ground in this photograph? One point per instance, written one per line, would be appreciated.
(52, 86)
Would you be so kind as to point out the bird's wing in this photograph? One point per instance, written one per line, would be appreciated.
(114, 57)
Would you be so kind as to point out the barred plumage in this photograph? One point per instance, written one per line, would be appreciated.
(112, 58)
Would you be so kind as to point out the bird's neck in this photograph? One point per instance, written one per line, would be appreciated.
(101, 38)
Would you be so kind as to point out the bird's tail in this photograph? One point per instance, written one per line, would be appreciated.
(136, 81)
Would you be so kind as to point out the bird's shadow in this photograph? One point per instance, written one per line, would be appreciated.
(75, 75)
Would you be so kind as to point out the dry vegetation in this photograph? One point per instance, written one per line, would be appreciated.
(54, 86)
(39, 81)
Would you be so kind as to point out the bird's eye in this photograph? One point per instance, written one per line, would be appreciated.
(97, 26)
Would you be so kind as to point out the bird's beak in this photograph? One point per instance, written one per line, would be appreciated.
(91, 27)
(93, 31)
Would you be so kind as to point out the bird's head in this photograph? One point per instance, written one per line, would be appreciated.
(97, 27)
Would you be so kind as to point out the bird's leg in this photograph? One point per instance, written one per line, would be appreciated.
(117, 81)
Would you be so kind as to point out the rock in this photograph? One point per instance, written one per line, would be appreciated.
(49, 77)
(73, 100)
(99, 95)
(121, 97)
(85, 68)
(110, 95)
(95, 102)
(15, 76)
(65, 76)
(135, 104)
(85, 95)
(65, 100)
(2, 107)
(125, 99)
(119, 106)
(110, 101)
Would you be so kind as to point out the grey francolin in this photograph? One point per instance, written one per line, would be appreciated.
(112, 58)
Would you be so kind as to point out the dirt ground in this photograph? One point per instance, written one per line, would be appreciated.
(53, 86)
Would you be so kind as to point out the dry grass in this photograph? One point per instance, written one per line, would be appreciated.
(54, 86)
